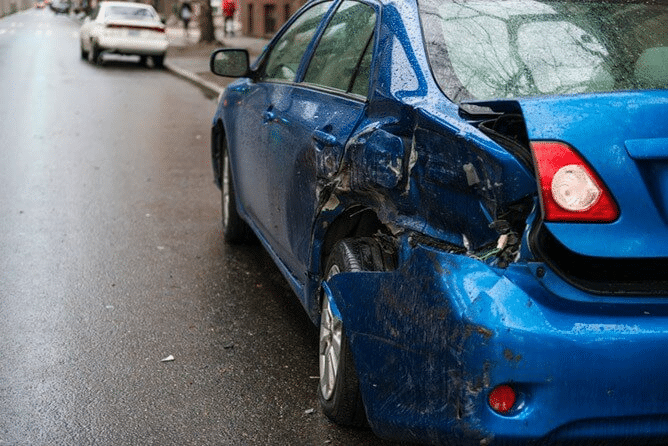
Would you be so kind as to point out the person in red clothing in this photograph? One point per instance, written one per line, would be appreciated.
(229, 8)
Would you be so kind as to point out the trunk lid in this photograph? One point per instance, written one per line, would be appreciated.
(624, 137)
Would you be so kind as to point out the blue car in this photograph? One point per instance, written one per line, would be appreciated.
(470, 199)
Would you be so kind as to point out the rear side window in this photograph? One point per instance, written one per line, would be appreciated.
(484, 49)
(342, 58)
(284, 58)
(505, 52)
(129, 13)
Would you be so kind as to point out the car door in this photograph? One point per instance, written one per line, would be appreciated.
(309, 124)
(255, 121)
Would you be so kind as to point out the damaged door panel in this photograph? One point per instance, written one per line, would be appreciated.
(447, 187)
(377, 160)
(328, 153)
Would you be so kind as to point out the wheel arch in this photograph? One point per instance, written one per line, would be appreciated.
(353, 221)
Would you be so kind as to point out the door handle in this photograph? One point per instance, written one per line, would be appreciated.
(242, 89)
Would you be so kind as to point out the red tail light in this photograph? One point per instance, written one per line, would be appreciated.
(157, 29)
(570, 190)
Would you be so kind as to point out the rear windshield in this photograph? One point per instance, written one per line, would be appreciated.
(483, 50)
(129, 13)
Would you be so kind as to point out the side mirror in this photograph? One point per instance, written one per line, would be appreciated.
(230, 62)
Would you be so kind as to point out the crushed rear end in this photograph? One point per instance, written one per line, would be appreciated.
(553, 329)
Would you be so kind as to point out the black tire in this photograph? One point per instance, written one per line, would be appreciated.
(84, 53)
(338, 387)
(158, 61)
(235, 230)
(143, 60)
(95, 55)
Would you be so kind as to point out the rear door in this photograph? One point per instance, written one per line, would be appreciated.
(310, 124)
(253, 122)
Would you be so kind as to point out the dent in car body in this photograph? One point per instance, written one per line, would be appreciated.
(447, 323)
(448, 327)
(404, 175)
(397, 164)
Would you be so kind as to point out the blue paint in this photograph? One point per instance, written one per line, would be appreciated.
(574, 316)
(448, 328)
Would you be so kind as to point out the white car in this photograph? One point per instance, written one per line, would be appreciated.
(123, 28)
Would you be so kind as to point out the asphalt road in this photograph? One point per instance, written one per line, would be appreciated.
(111, 260)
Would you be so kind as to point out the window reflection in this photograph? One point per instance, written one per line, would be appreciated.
(285, 57)
(489, 49)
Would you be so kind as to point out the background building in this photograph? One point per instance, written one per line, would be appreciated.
(262, 18)
(258, 18)
(11, 6)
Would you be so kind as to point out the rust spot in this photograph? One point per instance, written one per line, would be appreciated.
(485, 332)
(470, 329)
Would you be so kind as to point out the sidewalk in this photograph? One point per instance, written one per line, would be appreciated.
(189, 59)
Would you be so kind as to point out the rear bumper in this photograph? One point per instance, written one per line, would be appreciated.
(431, 340)
(123, 45)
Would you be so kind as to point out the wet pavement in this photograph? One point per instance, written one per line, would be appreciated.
(112, 263)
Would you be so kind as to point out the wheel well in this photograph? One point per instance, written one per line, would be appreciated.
(355, 222)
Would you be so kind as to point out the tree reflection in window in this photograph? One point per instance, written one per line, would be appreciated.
(510, 49)
(515, 48)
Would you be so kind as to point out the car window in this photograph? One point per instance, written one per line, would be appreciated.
(129, 12)
(343, 56)
(361, 81)
(489, 49)
(285, 56)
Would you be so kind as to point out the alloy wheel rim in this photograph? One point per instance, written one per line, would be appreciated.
(226, 190)
(331, 334)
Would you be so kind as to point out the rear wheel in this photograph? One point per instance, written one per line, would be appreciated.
(84, 53)
(158, 61)
(339, 388)
(95, 55)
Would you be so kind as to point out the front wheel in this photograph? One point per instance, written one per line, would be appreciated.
(339, 388)
(235, 230)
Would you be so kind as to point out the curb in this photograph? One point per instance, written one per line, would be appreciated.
(212, 88)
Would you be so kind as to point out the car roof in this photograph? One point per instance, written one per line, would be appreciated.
(115, 3)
